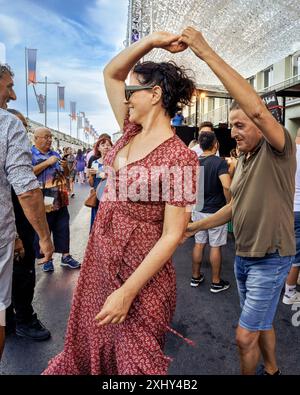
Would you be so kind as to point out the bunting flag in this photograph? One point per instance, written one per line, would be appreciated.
(86, 125)
(41, 102)
(79, 121)
(31, 59)
(61, 96)
(94, 134)
(73, 110)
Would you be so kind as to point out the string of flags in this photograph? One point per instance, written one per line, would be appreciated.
(82, 120)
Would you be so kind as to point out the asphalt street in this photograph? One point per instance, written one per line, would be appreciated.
(208, 319)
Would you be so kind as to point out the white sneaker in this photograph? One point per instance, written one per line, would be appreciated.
(295, 298)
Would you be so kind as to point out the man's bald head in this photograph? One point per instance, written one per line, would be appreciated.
(42, 131)
(43, 139)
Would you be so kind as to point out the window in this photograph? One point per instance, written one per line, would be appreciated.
(251, 81)
(268, 77)
(296, 64)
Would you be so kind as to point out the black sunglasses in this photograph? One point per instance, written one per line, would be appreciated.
(130, 89)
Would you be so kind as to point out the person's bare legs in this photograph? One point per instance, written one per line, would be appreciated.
(249, 350)
(2, 340)
(267, 344)
(293, 276)
(291, 295)
(197, 259)
(71, 186)
(215, 261)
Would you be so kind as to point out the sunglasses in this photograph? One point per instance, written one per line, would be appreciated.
(130, 89)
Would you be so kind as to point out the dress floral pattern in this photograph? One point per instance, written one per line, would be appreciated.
(123, 234)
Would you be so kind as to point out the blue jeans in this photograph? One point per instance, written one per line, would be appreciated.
(59, 225)
(296, 261)
(259, 282)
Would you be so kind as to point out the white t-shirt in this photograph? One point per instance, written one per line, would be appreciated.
(199, 151)
(297, 181)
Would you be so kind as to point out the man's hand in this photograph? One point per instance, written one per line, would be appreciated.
(196, 42)
(52, 160)
(115, 308)
(168, 41)
(47, 249)
(188, 233)
(63, 163)
(19, 248)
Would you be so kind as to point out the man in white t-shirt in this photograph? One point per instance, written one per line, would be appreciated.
(291, 296)
(205, 126)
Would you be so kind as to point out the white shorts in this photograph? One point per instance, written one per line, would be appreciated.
(6, 268)
(216, 237)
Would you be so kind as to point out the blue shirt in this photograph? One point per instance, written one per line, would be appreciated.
(177, 120)
(52, 179)
(99, 183)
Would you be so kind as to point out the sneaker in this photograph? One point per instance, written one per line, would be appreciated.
(33, 330)
(48, 266)
(294, 299)
(277, 373)
(196, 281)
(70, 262)
(219, 287)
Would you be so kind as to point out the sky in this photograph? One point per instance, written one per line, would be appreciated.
(75, 39)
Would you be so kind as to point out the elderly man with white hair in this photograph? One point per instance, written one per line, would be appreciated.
(51, 171)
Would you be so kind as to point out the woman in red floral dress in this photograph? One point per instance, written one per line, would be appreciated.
(126, 292)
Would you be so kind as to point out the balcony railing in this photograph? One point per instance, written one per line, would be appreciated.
(220, 114)
(216, 116)
(282, 85)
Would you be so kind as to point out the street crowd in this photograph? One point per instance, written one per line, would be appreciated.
(126, 292)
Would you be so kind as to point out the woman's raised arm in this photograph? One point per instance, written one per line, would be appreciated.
(117, 70)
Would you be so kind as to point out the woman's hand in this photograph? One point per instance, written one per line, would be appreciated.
(103, 175)
(168, 41)
(195, 40)
(92, 172)
(115, 308)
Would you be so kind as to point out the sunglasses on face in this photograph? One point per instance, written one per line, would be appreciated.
(130, 89)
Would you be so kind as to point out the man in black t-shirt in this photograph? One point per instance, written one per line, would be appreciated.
(216, 194)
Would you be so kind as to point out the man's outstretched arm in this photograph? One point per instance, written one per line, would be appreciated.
(238, 88)
(219, 218)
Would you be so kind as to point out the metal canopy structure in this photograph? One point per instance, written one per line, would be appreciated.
(249, 34)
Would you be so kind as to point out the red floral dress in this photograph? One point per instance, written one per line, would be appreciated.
(123, 234)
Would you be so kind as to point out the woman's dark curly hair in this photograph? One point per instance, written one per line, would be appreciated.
(177, 87)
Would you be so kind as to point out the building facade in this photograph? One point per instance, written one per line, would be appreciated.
(282, 77)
